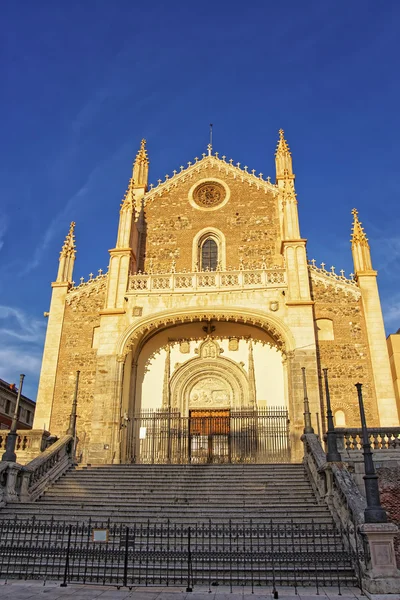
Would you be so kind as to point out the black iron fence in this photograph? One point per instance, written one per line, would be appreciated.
(212, 436)
(258, 554)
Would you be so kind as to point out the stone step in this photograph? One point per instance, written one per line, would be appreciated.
(154, 498)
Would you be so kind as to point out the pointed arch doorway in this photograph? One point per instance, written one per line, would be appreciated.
(185, 374)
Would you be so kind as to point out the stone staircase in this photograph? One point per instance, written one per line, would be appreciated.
(177, 525)
(181, 493)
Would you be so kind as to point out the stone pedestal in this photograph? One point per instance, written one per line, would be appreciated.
(382, 576)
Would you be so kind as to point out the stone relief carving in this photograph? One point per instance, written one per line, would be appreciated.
(210, 391)
(233, 344)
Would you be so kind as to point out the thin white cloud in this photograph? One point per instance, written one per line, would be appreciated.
(15, 323)
(14, 361)
(392, 313)
(21, 346)
(55, 226)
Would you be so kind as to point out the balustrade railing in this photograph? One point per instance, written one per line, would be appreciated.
(25, 483)
(381, 438)
(30, 442)
(237, 279)
(334, 484)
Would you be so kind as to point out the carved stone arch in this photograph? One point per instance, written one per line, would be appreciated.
(137, 334)
(209, 381)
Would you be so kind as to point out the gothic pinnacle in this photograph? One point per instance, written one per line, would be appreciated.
(69, 248)
(358, 235)
(282, 147)
(283, 158)
(141, 167)
(142, 156)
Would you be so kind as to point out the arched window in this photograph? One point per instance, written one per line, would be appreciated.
(324, 329)
(209, 255)
(340, 419)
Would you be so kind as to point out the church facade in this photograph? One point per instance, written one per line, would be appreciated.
(210, 327)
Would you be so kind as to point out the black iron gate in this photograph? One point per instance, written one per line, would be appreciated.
(265, 553)
(212, 436)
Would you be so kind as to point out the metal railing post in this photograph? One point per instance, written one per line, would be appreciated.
(307, 415)
(333, 454)
(9, 454)
(374, 513)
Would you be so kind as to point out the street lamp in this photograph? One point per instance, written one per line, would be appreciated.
(333, 453)
(307, 416)
(374, 513)
(9, 454)
(72, 419)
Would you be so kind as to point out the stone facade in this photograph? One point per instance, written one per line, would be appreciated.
(213, 252)
(346, 355)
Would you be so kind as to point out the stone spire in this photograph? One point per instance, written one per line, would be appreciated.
(283, 159)
(167, 374)
(360, 246)
(67, 257)
(252, 377)
(141, 167)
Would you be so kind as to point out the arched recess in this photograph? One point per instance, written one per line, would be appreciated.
(145, 331)
(209, 381)
(208, 233)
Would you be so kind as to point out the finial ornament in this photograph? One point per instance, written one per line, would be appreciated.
(69, 248)
(360, 247)
(67, 256)
(141, 167)
(358, 235)
(283, 158)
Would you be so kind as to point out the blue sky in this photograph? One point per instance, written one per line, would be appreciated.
(83, 82)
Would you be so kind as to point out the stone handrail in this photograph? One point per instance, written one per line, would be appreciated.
(45, 469)
(381, 438)
(205, 280)
(334, 484)
(30, 442)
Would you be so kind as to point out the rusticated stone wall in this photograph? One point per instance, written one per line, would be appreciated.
(249, 222)
(346, 356)
(77, 353)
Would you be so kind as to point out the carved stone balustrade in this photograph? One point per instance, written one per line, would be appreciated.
(381, 438)
(334, 484)
(206, 280)
(46, 468)
(30, 443)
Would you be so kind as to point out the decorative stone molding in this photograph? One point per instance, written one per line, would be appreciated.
(330, 278)
(209, 194)
(143, 283)
(223, 167)
(278, 331)
(87, 288)
(209, 381)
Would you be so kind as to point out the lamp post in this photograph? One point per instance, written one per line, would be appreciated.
(72, 419)
(374, 513)
(333, 454)
(9, 454)
(307, 416)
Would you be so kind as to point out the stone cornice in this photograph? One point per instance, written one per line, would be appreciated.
(210, 161)
(331, 278)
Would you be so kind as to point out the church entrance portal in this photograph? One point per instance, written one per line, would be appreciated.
(209, 432)
(211, 436)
